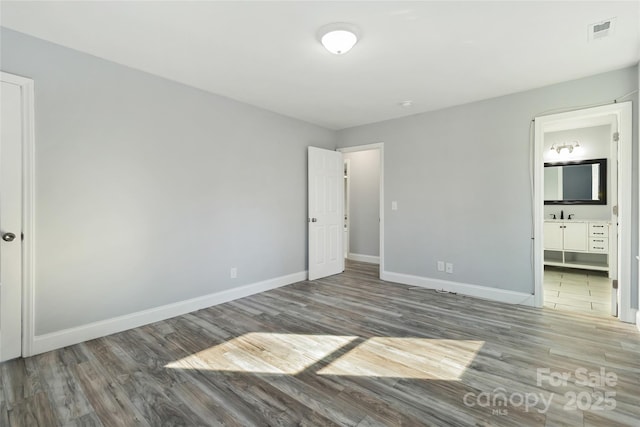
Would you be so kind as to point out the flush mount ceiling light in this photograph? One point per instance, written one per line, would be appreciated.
(338, 38)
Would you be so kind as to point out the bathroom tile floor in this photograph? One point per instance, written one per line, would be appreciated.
(577, 290)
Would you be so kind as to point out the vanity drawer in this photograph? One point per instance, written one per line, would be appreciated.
(598, 229)
(599, 244)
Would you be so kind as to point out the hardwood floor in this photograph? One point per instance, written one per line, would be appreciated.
(346, 350)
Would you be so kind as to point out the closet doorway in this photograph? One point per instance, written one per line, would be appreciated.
(364, 202)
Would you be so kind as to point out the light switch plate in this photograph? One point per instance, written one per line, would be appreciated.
(440, 265)
(394, 206)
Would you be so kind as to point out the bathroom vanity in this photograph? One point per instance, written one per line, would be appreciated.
(577, 244)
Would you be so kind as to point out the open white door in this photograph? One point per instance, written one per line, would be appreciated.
(326, 217)
(11, 221)
(614, 231)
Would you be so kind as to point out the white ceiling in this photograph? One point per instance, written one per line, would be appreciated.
(437, 54)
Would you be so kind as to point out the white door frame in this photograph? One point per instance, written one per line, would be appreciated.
(347, 205)
(568, 120)
(28, 193)
(375, 146)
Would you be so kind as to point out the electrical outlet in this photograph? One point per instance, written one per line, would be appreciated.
(234, 272)
(449, 267)
(440, 265)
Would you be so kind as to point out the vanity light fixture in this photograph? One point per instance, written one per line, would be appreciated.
(338, 38)
(570, 146)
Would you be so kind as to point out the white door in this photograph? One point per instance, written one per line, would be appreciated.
(613, 201)
(11, 221)
(326, 217)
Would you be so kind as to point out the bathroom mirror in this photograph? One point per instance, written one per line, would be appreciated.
(576, 183)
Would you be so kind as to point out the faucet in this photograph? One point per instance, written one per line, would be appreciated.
(570, 216)
(562, 214)
(553, 216)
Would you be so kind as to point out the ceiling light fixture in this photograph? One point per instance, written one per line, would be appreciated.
(406, 104)
(570, 147)
(338, 38)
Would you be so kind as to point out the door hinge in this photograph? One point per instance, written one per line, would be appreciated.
(21, 236)
(616, 136)
(615, 210)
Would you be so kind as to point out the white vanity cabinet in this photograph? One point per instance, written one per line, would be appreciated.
(577, 244)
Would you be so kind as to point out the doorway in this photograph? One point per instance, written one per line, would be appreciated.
(15, 225)
(582, 260)
(364, 202)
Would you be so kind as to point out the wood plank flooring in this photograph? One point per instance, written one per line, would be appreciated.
(348, 350)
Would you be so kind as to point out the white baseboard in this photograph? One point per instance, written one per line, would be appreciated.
(364, 258)
(477, 291)
(59, 339)
(638, 319)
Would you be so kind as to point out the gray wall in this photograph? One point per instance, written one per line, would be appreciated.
(461, 179)
(148, 191)
(364, 182)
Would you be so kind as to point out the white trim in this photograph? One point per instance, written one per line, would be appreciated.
(365, 147)
(381, 262)
(568, 120)
(374, 146)
(28, 206)
(364, 258)
(625, 202)
(476, 291)
(347, 206)
(637, 318)
(538, 214)
(58, 339)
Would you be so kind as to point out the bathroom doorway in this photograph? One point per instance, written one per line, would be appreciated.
(582, 259)
(580, 244)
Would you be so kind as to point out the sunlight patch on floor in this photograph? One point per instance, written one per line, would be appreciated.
(261, 352)
(290, 354)
(421, 358)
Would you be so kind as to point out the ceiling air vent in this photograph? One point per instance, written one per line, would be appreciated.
(602, 29)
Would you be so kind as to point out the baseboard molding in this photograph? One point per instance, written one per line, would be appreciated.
(59, 339)
(364, 258)
(638, 319)
(477, 291)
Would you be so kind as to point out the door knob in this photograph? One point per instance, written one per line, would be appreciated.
(8, 237)
(314, 219)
